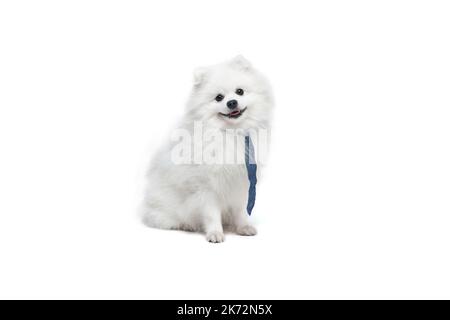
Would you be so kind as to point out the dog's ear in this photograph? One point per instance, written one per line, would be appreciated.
(241, 62)
(199, 76)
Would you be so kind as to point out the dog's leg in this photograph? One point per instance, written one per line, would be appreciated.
(212, 223)
(242, 224)
(157, 219)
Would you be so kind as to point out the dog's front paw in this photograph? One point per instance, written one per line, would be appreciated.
(246, 230)
(215, 237)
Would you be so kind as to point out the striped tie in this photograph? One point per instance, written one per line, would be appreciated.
(250, 163)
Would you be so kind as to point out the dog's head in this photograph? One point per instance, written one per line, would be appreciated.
(231, 95)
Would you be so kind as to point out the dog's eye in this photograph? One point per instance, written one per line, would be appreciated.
(239, 91)
(219, 97)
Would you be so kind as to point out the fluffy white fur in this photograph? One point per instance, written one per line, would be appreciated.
(209, 198)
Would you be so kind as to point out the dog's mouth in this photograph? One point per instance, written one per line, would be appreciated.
(234, 114)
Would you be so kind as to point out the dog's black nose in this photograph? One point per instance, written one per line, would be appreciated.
(232, 104)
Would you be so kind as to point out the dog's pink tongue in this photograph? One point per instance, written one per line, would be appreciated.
(235, 112)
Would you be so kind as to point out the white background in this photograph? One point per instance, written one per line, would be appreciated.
(356, 199)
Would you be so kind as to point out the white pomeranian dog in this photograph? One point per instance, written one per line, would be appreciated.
(204, 178)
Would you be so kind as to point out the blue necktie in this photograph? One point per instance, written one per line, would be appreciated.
(250, 163)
